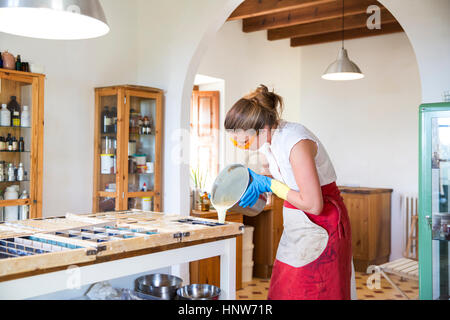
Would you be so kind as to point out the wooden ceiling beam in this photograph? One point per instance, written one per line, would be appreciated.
(326, 26)
(254, 8)
(307, 15)
(386, 28)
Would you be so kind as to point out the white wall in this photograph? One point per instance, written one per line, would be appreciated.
(369, 126)
(244, 61)
(74, 69)
(427, 24)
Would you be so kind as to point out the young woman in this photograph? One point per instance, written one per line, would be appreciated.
(314, 258)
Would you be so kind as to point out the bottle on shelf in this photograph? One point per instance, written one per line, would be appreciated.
(5, 115)
(106, 120)
(15, 144)
(21, 173)
(24, 210)
(21, 144)
(114, 120)
(11, 173)
(12, 213)
(3, 146)
(19, 63)
(2, 171)
(25, 118)
(10, 145)
(14, 108)
(150, 125)
(2, 210)
(205, 202)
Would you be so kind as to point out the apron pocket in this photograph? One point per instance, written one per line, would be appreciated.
(302, 241)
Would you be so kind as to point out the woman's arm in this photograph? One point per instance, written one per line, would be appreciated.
(302, 160)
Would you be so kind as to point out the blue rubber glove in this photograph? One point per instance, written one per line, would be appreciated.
(259, 184)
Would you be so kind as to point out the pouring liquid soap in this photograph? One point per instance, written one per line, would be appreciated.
(228, 189)
(222, 209)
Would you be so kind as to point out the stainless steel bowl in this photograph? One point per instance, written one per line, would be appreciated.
(232, 182)
(159, 286)
(199, 292)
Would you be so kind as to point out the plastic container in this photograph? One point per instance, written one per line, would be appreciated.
(247, 272)
(247, 254)
(247, 237)
(12, 213)
(5, 116)
(25, 118)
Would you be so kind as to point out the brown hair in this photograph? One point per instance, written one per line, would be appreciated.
(255, 111)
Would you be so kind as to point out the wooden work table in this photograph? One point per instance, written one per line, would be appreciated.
(158, 241)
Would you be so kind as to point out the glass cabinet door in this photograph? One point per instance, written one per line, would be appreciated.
(440, 132)
(434, 233)
(107, 178)
(18, 146)
(140, 161)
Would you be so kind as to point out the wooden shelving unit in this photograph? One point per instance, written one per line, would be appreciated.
(29, 90)
(122, 188)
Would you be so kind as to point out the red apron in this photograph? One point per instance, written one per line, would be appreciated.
(328, 277)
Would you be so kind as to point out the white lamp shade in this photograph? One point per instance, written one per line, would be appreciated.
(343, 69)
(53, 19)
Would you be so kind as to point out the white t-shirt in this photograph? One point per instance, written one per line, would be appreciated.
(278, 153)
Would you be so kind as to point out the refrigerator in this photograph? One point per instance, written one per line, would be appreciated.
(434, 201)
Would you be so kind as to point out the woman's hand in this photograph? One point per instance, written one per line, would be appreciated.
(259, 185)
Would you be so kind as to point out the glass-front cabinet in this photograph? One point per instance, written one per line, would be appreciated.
(21, 145)
(128, 137)
(434, 227)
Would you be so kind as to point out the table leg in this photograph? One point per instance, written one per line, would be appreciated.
(228, 270)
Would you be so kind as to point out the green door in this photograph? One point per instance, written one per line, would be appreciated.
(434, 201)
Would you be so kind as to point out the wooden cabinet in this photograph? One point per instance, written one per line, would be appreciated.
(268, 230)
(207, 271)
(370, 217)
(127, 148)
(28, 88)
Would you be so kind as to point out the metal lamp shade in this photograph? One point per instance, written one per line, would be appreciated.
(343, 69)
(53, 19)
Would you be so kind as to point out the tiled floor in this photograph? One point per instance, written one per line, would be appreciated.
(258, 289)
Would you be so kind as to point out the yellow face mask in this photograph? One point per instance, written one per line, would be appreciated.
(246, 146)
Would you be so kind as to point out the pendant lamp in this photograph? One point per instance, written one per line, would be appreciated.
(343, 69)
(53, 19)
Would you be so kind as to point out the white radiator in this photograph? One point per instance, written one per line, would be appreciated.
(409, 210)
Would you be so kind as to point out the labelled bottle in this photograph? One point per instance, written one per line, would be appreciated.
(15, 144)
(25, 118)
(5, 115)
(106, 120)
(14, 108)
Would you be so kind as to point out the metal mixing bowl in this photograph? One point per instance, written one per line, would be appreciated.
(199, 292)
(159, 286)
(234, 181)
